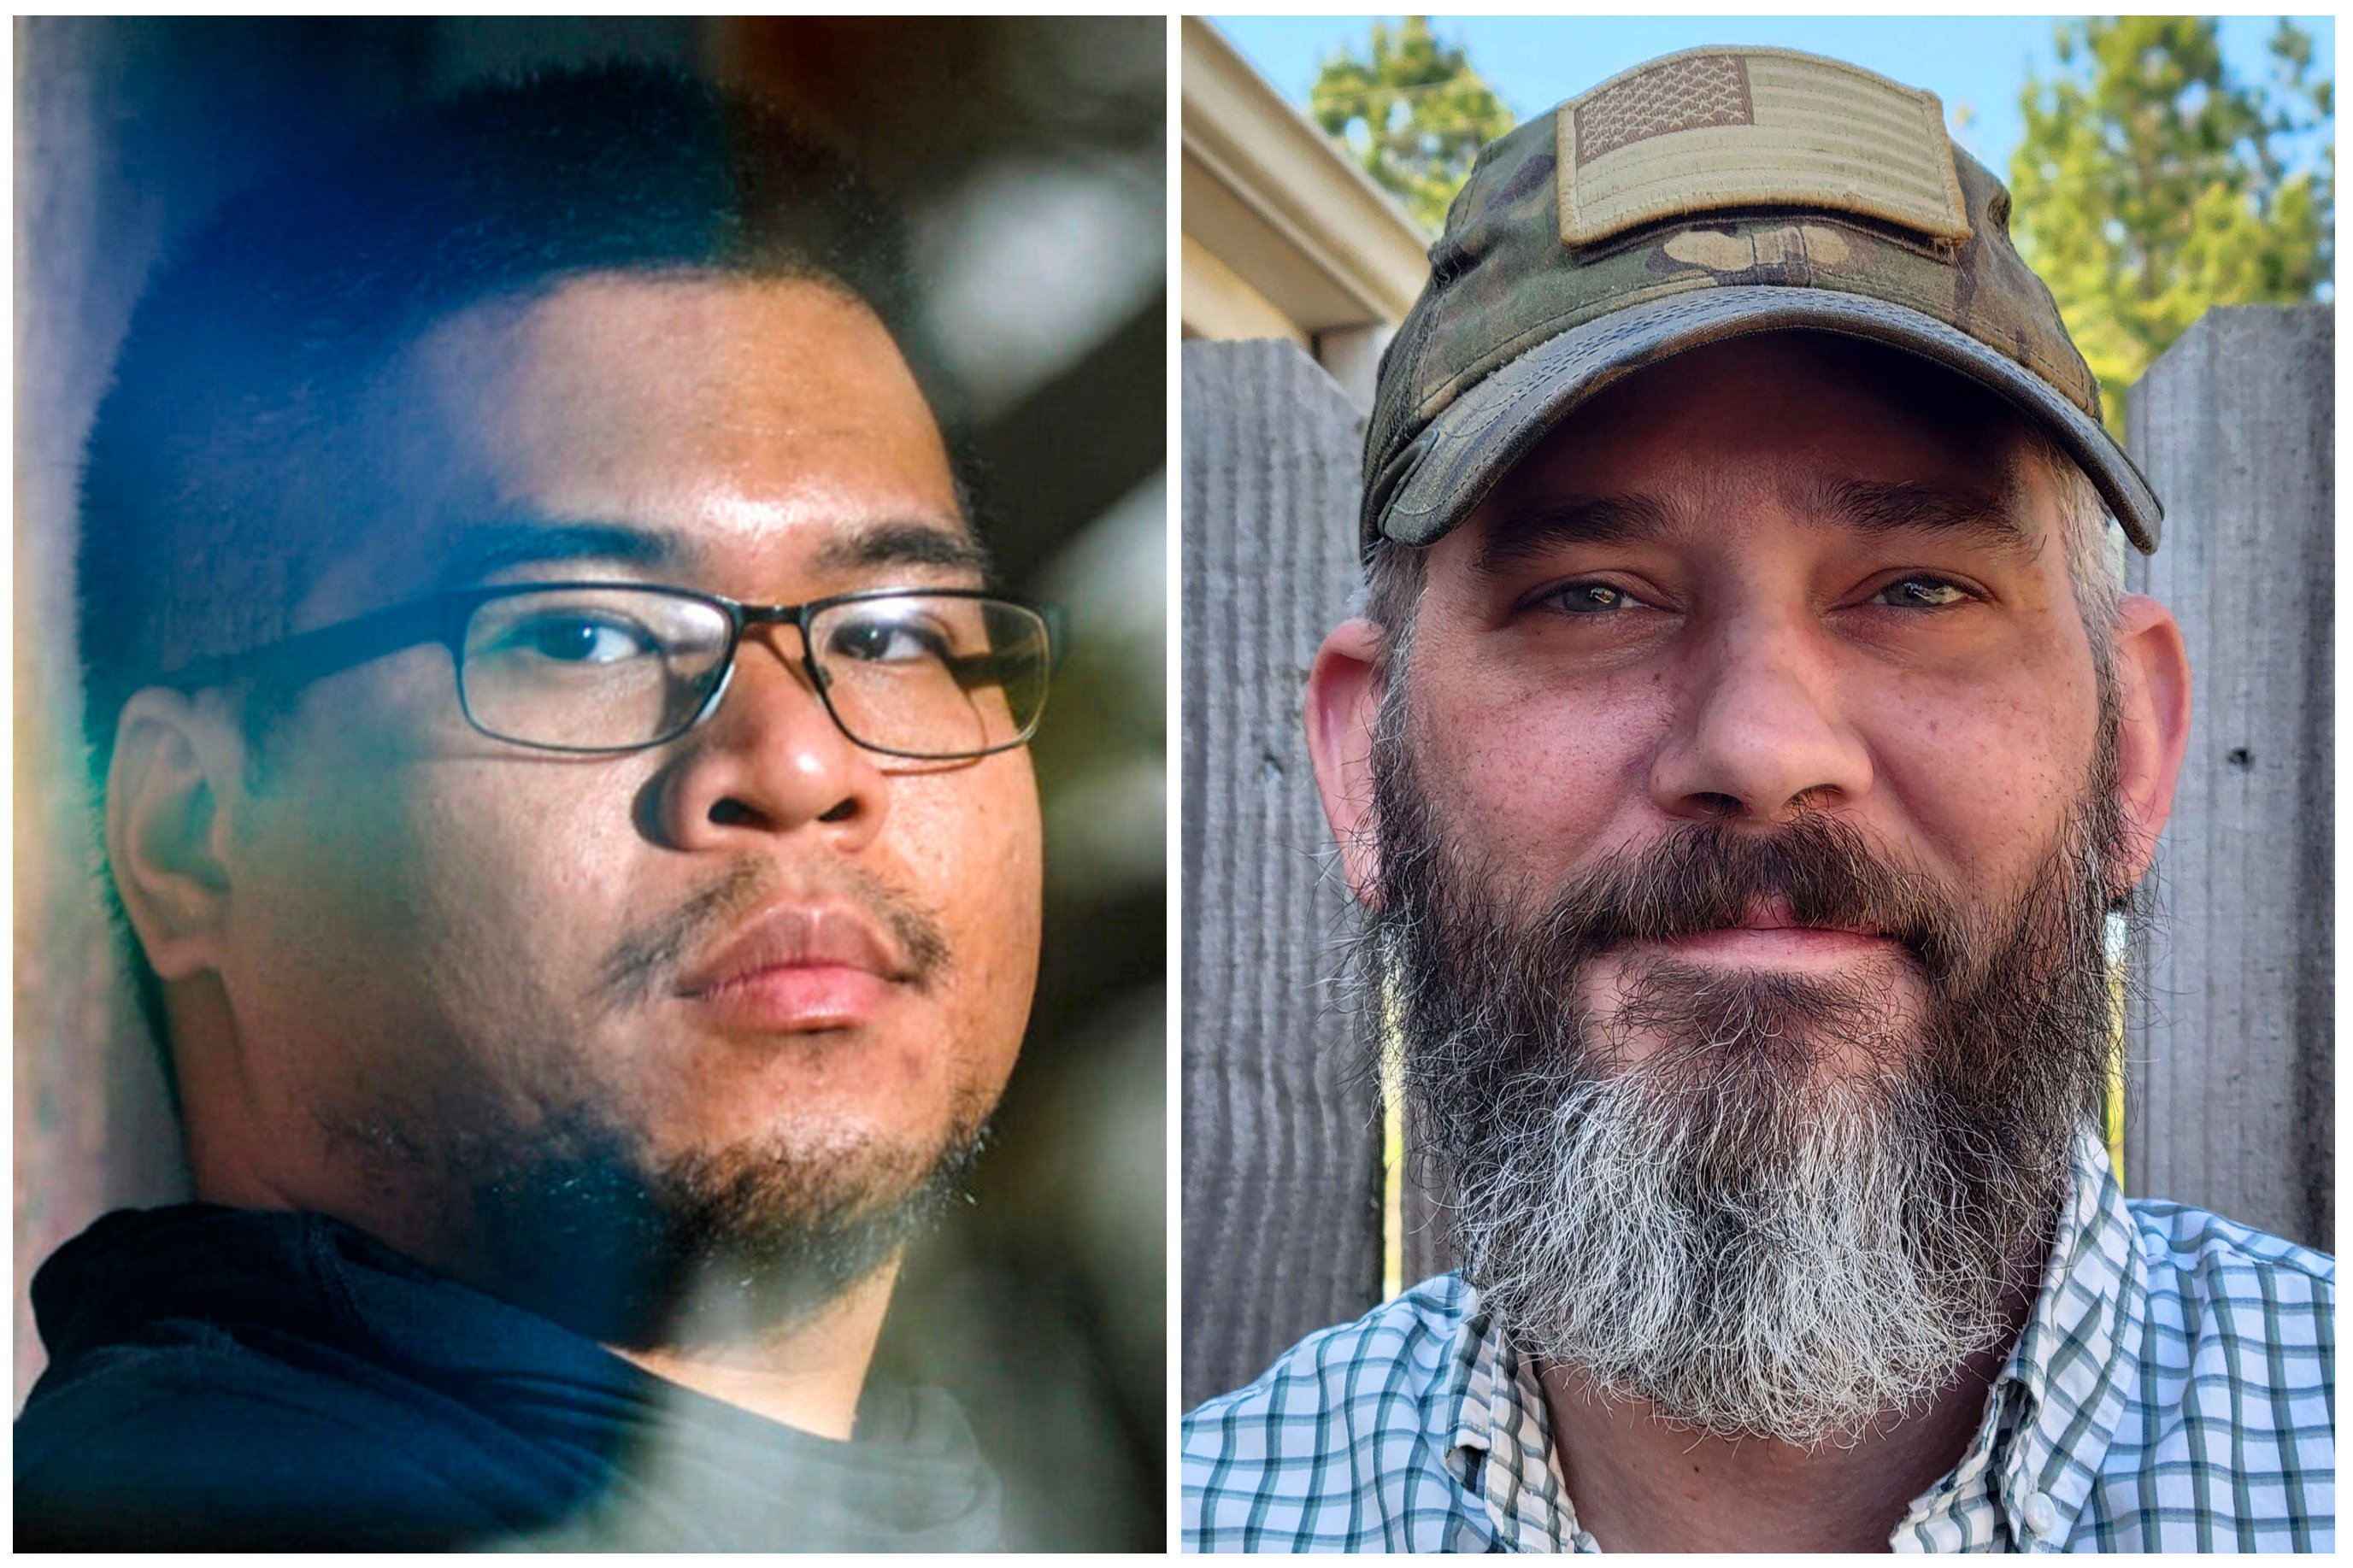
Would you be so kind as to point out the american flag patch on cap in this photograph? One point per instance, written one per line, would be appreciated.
(1716, 129)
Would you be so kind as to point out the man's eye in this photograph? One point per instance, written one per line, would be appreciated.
(886, 642)
(1922, 594)
(1589, 598)
(582, 639)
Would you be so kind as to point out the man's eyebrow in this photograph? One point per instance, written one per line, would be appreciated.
(1873, 506)
(482, 548)
(1604, 519)
(902, 544)
(1867, 506)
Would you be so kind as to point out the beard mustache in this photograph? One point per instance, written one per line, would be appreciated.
(1805, 1207)
(564, 1207)
(574, 1217)
(713, 1247)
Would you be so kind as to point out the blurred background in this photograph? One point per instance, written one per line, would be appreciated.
(1028, 155)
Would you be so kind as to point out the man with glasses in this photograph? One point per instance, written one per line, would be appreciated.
(564, 780)
(1746, 759)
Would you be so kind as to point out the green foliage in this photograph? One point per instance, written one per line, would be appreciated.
(1414, 113)
(2150, 185)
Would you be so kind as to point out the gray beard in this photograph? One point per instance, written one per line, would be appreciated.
(1798, 1284)
(1753, 1244)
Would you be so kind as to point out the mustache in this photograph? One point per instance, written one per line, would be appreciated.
(1712, 874)
(641, 964)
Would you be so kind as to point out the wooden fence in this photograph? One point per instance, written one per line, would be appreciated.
(2229, 1051)
(2229, 1072)
(1281, 1130)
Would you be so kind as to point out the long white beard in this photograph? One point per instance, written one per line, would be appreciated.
(1746, 1275)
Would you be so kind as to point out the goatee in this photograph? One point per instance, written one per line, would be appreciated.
(710, 1248)
(577, 1218)
(1800, 1207)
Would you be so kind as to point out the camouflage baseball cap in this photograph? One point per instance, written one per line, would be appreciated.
(1705, 195)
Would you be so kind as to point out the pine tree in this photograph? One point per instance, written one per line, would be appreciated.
(1414, 112)
(2151, 184)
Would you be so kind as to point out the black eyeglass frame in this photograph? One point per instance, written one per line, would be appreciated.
(444, 616)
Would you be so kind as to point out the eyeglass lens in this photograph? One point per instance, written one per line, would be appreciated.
(922, 675)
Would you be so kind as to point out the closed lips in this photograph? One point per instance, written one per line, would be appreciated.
(796, 936)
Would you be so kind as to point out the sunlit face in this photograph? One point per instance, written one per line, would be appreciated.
(755, 939)
(1701, 603)
(1738, 826)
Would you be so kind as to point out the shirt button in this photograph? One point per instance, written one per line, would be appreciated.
(2041, 1515)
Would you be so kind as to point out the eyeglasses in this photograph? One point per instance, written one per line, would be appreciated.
(938, 674)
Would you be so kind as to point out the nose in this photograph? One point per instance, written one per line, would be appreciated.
(1761, 732)
(771, 760)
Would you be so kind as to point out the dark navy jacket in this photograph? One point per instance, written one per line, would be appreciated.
(228, 1379)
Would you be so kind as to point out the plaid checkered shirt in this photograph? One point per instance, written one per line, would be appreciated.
(2172, 1391)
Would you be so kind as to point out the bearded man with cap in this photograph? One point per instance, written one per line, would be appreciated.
(1742, 759)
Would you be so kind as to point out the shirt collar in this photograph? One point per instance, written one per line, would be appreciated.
(1501, 1449)
(2073, 1368)
(2047, 1424)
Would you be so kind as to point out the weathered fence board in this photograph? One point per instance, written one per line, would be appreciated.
(1282, 1158)
(2230, 1081)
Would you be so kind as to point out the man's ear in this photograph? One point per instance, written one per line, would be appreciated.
(175, 764)
(2152, 671)
(1343, 700)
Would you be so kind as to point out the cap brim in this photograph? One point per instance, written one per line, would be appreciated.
(1479, 437)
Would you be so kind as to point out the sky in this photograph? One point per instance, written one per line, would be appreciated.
(1975, 64)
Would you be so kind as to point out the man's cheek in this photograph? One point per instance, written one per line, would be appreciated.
(971, 839)
(1986, 804)
(329, 889)
(1541, 773)
(502, 893)
(982, 870)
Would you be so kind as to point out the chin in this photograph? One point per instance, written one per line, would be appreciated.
(628, 1242)
(1711, 1022)
(856, 1112)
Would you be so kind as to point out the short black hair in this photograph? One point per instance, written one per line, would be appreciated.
(218, 481)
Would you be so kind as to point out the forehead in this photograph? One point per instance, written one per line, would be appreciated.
(1797, 412)
(733, 415)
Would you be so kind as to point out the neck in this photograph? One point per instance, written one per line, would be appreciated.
(807, 1374)
(1640, 1484)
